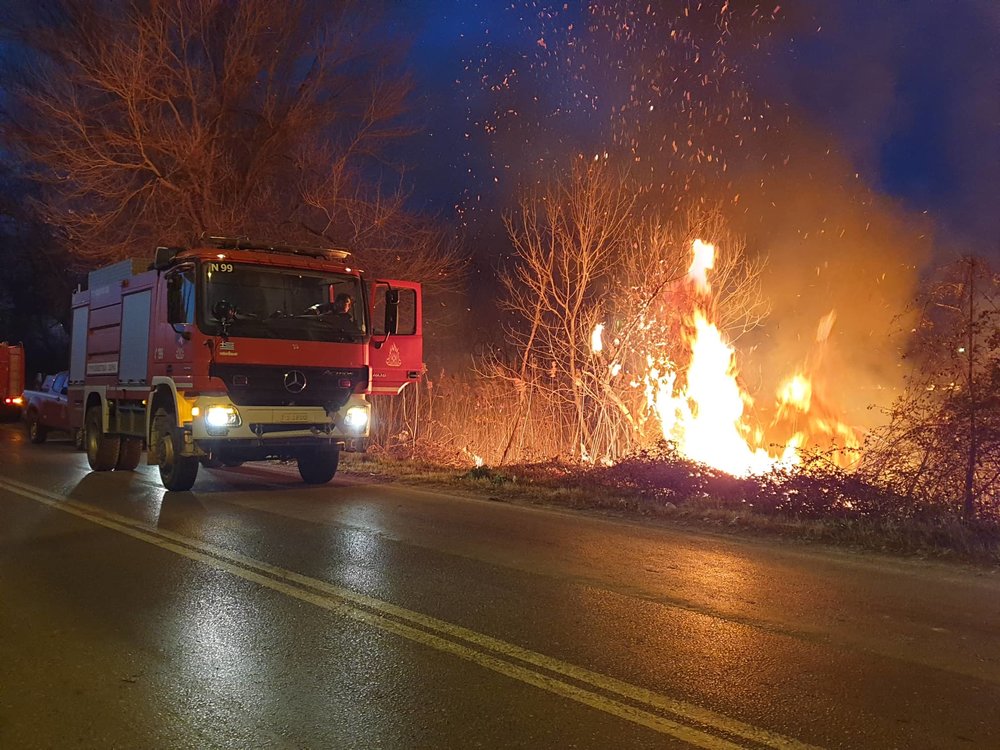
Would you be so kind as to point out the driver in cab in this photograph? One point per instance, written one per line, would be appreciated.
(339, 313)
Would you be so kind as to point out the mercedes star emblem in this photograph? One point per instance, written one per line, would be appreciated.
(295, 381)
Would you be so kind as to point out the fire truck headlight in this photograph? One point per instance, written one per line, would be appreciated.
(356, 417)
(220, 417)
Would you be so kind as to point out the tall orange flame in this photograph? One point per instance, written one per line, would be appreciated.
(705, 417)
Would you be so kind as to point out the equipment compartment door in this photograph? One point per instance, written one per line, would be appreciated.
(396, 351)
(134, 351)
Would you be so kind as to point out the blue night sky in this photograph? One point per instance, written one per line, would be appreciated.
(869, 144)
(906, 92)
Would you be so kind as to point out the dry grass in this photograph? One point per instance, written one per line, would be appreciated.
(825, 506)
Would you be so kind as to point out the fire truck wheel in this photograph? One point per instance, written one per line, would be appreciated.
(36, 433)
(102, 449)
(129, 455)
(177, 472)
(318, 467)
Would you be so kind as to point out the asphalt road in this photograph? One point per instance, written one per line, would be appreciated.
(255, 612)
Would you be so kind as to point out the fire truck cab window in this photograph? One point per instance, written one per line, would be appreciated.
(406, 311)
(181, 296)
(278, 303)
(406, 315)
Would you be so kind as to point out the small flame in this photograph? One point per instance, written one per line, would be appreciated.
(825, 326)
(596, 342)
(701, 264)
(800, 408)
(477, 460)
(796, 391)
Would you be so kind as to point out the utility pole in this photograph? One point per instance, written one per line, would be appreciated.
(970, 469)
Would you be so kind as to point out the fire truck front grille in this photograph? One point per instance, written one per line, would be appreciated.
(266, 385)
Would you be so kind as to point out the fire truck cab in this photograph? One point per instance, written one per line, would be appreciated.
(233, 352)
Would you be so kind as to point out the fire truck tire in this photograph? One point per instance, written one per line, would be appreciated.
(129, 454)
(102, 449)
(177, 472)
(318, 467)
(36, 432)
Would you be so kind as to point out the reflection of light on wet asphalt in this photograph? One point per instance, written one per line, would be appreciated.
(684, 721)
(361, 570)
(217, 629)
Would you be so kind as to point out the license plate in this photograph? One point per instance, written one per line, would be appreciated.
(294, 416)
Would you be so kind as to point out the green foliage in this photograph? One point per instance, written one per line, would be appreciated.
(488, 475)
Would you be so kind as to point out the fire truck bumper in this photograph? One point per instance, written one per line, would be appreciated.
(220, 424)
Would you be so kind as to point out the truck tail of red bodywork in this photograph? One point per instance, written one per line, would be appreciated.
(11, 375)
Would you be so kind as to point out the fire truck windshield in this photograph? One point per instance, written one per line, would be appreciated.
(280, 303)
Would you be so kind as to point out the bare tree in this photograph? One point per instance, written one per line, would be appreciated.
(942, 442)
(566, 238)
(155, 122)
(599, 297)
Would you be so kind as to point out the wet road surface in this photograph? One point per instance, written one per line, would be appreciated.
(257, 612)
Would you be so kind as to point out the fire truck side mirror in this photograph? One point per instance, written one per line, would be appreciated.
(164, 257)
(391, 310)
(175, 305)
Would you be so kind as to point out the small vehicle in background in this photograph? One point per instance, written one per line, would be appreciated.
(47, 408)
(11, 380)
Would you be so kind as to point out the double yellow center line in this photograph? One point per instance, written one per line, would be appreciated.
(689, 723)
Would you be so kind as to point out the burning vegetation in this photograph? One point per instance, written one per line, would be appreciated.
(648, 400)
(646, 340)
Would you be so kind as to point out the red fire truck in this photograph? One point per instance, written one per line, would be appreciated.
(233, 351)
(11, 377)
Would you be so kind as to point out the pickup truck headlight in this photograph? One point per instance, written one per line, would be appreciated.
(221, 417)
(356, 417)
